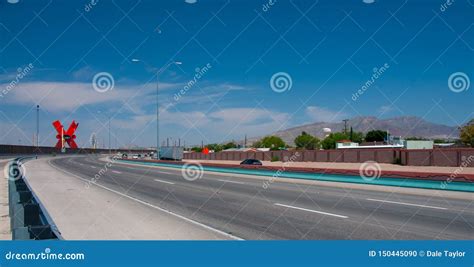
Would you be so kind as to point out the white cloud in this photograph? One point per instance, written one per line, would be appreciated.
(386, 109)
(321, 114)
(136, 121)
(67, 96)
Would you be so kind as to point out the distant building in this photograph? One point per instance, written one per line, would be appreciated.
(418, 144)
(346, 144)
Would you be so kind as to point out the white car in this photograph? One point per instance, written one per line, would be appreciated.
(135, 157)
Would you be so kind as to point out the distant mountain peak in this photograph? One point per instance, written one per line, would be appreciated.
(405, 126)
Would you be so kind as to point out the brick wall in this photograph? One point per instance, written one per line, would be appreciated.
(417, 157)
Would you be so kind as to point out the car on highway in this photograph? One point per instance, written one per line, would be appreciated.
(135, 156)
(251, 162)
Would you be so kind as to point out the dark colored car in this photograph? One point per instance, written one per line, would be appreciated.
(251, 162)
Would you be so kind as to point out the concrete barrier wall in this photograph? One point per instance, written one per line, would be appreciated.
(453, 157)
(420, 157)
(15, 149)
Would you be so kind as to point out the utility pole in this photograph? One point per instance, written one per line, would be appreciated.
(245, 142)
(345, 125)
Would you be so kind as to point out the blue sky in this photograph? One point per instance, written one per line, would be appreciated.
(329, 49)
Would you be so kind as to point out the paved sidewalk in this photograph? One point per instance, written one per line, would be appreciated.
(5, 232)
(95, 213)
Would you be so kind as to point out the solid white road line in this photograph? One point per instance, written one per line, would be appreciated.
(407, 204)
(117, 172)
(161, 181)
(93, 167)
(150, 205)
(315, 211)
(232, 182)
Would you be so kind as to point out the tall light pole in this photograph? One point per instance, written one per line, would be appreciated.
(109, 118)
(37, 125)
(110, 148)
(157, 99)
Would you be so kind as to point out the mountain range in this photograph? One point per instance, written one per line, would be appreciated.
(406, 126)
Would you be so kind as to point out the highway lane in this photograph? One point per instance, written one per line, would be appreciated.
(241, 206)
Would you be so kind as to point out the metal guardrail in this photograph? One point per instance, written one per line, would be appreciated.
(29, 219)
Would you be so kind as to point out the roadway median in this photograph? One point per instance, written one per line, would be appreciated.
(437, 178)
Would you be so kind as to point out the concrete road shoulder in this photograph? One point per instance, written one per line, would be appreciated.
(95, 213)
(5, 231)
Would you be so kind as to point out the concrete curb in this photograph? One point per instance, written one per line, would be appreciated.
(411, 182)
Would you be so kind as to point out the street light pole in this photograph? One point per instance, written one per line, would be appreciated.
(110, 148)
(157, 100)
(37, 126)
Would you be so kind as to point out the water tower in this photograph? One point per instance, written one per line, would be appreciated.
(327, 132)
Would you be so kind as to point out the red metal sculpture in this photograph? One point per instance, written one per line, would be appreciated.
(66, 136)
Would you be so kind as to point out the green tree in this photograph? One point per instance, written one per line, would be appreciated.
(467, 134)
(215, 147)
(196, 149)
(330, 141)
(272, 142)
(376, 136)
(307, 141)
(357, 137)
(257, 144)
(229, 145)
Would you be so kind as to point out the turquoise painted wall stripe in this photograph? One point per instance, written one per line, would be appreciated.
(399, 182)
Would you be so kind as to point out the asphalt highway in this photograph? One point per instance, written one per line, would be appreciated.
(241, 207)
